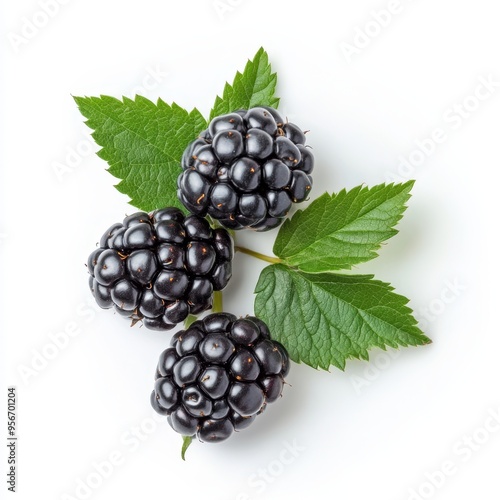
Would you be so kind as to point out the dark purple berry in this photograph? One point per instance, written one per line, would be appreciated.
(287, 151)
(306, 164)
(167, 360)
(262, 119)
(245, 398)
(205, 162)
(240, 169)
(171, 284)
(275, 114)
(214, 381)
(232, 121)
(137, 218)
(170, 213)
(217, 376)
(279, 203)
(139, 235)
(228, 145)
(215, 431)
(244, 367)
(220, 409)
(194, 188)
(142, 265)
(253, 206)
(170, 231)
(224, 198)
(300, 186)
(200, 293)
(125, 295)
(218, 323)
(187, 341)
(259, 144)
(109, 268)
(200, 257)
(158, 324)
(166, 267)
(216, 348)
(269, 357)
(108, 234)
(166, 393)
(176, 311)
(156, 405)
(240, 422)
(182, 422)
(195, 402)
(171, 256)
(276, 174)
(273, 387)
(102, 295)
(197, 228)
(294, 133)
(221, 275)
(245, 332)
(245, 174)
(186, 370)
(92, 260)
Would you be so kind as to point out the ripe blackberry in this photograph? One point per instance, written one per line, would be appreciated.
(246, 170)
(218, 375)
(159, 267)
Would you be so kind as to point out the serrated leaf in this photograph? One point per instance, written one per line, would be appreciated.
(325, 319)
(340, 230)
(143, 143)
(254, 87)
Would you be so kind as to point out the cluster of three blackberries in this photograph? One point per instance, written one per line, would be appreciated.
(245, 170)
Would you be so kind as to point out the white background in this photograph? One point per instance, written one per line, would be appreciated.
(378, 431)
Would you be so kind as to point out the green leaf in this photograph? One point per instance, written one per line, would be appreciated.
(254, 87)
(186, 442)
(143, 144)
(340, 230)
(325, 319)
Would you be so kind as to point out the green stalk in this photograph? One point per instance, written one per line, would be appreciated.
(257, 255)
(218, 305)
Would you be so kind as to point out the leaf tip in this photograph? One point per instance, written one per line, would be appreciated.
(78, 99)
(409, 184)
(186, 442)
(260, 52)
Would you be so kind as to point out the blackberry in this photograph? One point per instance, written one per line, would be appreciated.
(159, 267)
(218, 375)
(246, 170)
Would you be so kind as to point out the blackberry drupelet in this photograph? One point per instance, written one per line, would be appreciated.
(246, 170)
(159, 267)
(218, 375)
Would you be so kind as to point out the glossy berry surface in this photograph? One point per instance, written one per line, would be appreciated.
(218, 375)
(159, 267)
(246, 170)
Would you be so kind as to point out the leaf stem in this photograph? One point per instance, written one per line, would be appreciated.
(189, 321)
(218, 305)
(257, 255)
